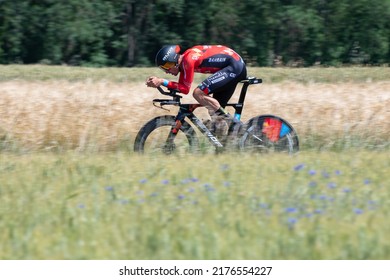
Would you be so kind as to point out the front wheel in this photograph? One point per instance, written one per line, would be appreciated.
(268, 133)
(156, 137)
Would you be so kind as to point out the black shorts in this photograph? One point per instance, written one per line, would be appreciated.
(223, 83)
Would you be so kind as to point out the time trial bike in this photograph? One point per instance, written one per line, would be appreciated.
(177, 134)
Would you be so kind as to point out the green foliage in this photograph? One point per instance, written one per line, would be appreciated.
(129, 32)
(112, 206)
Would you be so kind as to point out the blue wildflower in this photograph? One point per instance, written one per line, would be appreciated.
(372, 205)
(299, 167)
(181, 196)
(358, 211)
(332, 185)
(347, 190)
(185, 181)
(143, 181)
(291, 209)
(312, 172)
(263, 205)
(81, 206)
(312, 184)
(165, 182)
(140, 192)
(224, 167)
(124, 201)
(109, 188)
(291, 222)
(325, 174)
(367, 181)
(208, 187)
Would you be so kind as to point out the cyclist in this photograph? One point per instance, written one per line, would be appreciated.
(225, 65)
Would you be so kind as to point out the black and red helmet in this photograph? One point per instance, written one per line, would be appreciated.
(168, 56)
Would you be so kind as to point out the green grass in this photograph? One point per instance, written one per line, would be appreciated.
(113, 206)
(331, 201)
(269, 75)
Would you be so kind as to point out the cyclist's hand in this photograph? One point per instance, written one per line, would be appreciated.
(154, 82)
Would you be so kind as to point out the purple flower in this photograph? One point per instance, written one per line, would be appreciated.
(347, 190)
(109, 188)
(312, 184)
(372, 205)
(299, 167)
(224, 167)
(81, 206)
(332, 185)
(165, 182)
(124, 201)
(367, 181)
(143, 181)
(325, 174)
(291, 210)
(140, 192)
(263, 205)
(181, 196)
(358, 211)
(185, 181)
(191, 190)
(208, 188)
(337, 172)
(312, 172)
(291, 222)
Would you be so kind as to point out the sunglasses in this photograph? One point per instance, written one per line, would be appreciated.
(167, 66)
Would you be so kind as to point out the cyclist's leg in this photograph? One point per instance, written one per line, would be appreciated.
(221, 85)
(224, 91)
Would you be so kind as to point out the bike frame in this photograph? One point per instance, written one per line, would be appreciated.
(186, 110)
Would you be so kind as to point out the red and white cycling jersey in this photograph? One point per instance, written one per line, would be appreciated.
(205, 59)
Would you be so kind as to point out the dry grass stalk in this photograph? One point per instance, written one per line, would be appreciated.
(101, 115)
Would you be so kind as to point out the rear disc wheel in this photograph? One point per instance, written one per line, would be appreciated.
(268, 134)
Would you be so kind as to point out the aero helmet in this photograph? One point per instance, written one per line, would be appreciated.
(168, 57)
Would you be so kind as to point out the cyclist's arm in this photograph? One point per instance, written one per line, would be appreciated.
(156, 82)
(185, 79)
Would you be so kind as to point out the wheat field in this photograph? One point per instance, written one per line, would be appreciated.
(96, 204)
(102, 115)
(61, 108)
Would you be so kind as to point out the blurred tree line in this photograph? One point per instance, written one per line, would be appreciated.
(130, 32)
